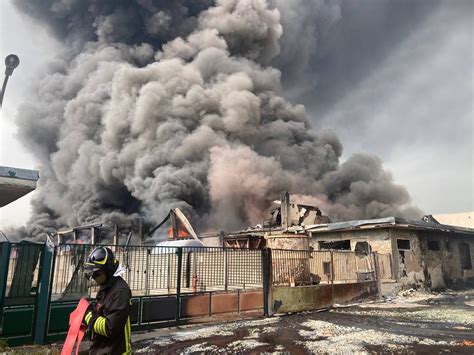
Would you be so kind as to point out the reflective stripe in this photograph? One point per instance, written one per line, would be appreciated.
(88, 317)
(127, 331)
(99, 326)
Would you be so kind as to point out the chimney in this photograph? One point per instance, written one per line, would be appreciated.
(285, 210)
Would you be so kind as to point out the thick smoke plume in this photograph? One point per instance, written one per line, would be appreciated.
(161, 104)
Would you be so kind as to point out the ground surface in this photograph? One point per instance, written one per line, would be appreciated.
(414, 323)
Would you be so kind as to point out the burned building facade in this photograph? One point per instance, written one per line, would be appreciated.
(411, 253)
(282, 231)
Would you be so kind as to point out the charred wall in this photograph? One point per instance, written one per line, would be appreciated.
(447, 257)
(433, 259)
(407, 257)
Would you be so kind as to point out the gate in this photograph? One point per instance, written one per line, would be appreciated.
(22, 266)
(40, 286)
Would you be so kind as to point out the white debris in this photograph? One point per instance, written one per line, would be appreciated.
(226, 329)
(243, 345)
(200, 348)
(445, 315)
(326, 337)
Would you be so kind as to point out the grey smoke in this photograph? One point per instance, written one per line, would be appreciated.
(173, 104)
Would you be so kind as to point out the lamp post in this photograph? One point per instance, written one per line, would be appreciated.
(11, 62)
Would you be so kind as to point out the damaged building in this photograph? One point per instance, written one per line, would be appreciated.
(282, 231)
(422, 253)
(411, 253)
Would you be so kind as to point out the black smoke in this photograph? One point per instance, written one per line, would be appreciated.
(161, 104)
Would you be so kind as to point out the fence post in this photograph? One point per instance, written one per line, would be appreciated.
(332, 277)
(179, 253)
(5, 248)
(226, 270)
(44, 294)
(267, 281)
(147, 272)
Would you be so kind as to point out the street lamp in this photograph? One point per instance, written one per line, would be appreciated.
(11, 62)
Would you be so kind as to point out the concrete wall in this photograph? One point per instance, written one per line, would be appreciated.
(407, 264)
(287, 241)
(443, 267)
(306, 298)
(463, 219)
(431, 268)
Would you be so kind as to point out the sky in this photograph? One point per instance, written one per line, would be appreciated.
(406, 97)
(34, 47)
(396, 83)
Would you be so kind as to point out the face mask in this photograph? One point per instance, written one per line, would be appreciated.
(99, 277)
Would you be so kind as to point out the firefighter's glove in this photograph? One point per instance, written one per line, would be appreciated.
(88, 316)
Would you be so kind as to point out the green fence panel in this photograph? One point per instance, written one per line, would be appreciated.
(4, 260)
(59, 317)
(17, 321)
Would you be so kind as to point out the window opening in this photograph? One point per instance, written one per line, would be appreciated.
(465, 255)
(338, 245)
(433, 245)
(403, 244)
(362, 248)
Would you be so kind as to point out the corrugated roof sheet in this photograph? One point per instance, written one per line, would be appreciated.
(387, 222)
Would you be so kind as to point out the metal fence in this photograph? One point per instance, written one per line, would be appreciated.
(294, 267)
(40, 283)
(152, 270)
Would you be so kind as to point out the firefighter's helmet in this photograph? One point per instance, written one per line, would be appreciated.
(101, 258)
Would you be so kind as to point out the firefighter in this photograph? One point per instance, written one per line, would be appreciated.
(108, 320)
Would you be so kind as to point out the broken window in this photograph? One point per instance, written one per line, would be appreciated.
(362, 248)
(433, 245)
(338, 245)
(465, 255)
(403, 244)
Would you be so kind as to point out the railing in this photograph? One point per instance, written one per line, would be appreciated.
(294, 267)
(152, 270)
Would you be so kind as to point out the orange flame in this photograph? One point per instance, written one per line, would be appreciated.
(182, 232)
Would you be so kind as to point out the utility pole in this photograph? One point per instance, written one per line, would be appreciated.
(11, 62)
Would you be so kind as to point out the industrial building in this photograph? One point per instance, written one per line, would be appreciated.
(413, 253)
(423, 253)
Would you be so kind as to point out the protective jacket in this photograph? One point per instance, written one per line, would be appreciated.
(109, 321)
